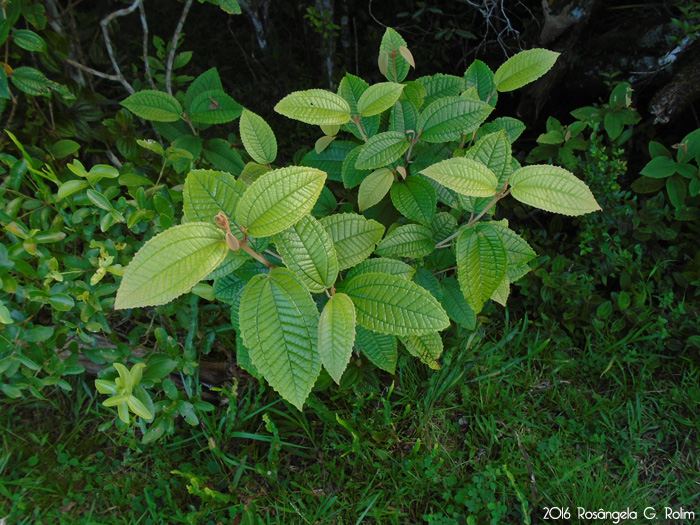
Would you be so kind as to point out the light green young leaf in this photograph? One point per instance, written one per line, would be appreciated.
(409, 240)
(502, 291)
(378, 98)
(279, 324)
(382, 265)
(154, 106)
(214, 107)
(392, 305)
(315, 106)
(207, 192)
(415, 198)
(336, 334)
(171, 263)
(258, 138)
(381, 349)
(354, 237)
(448, 118)
(374, 187)
(278, 199)
(382, 149)
(465, 176)
(523, 68)
(351, 89)
(426, 347)
(551, 188)
(307, 249)
(397, 66)
(482, 262)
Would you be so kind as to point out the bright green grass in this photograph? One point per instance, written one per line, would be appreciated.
(610, 425)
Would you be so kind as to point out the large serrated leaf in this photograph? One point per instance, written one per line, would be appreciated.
(278, 199)
(523, 68)
(416, 199)
(171, 263)
(426, 347)
(381, 349)
(374, 188)
(214, 107)
(456, 305)
(552, 188)
(397, 66)
(478, 75)
(354, 237)
(392, 305)
(482, 262)
(382, 265)
(336, 334)
(279, 325)
(258, 138)
(378, 98)
(315, 106)
(382, 149)
(154, 106)
(208, 192)
(448, 118)
(409, 240)
(439, 85)
(465, 176)
(308, 250)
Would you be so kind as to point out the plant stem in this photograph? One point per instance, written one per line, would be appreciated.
(108, 43)
(356, 120)
(255, 255)
(173, 47)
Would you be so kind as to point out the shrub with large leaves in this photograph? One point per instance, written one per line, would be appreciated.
(416, 246)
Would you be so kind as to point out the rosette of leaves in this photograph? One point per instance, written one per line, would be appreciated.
(126, 393)
(307, 285)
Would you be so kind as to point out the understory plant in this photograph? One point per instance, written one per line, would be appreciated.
(416, 246)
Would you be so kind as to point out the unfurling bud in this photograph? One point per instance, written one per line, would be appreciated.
(232, 242)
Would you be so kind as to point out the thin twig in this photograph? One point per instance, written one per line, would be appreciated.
(173, 47)
(92, 71)
(108, 43)
(146, 65)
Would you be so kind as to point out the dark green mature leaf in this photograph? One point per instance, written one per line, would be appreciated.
(494, 152)
(207, 81)
(404, 117)
(214, 107)
(448, 118)
(415, 198)
(478, 75)
(209, 192)
(354, 237)
(308, 250)
(409, 240)
(350, 174)
(279, 324)
(31, 81)
(456, 305)
(392, 305)
(482, 262)
(171, 263)
(336, 334)
(331, 160)
(29, 40)
(278, 199)
(382, 149)
(381, 349)
(153, 106)
(382, 265)
(438, 86)
(221, 154)
(351, 89)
